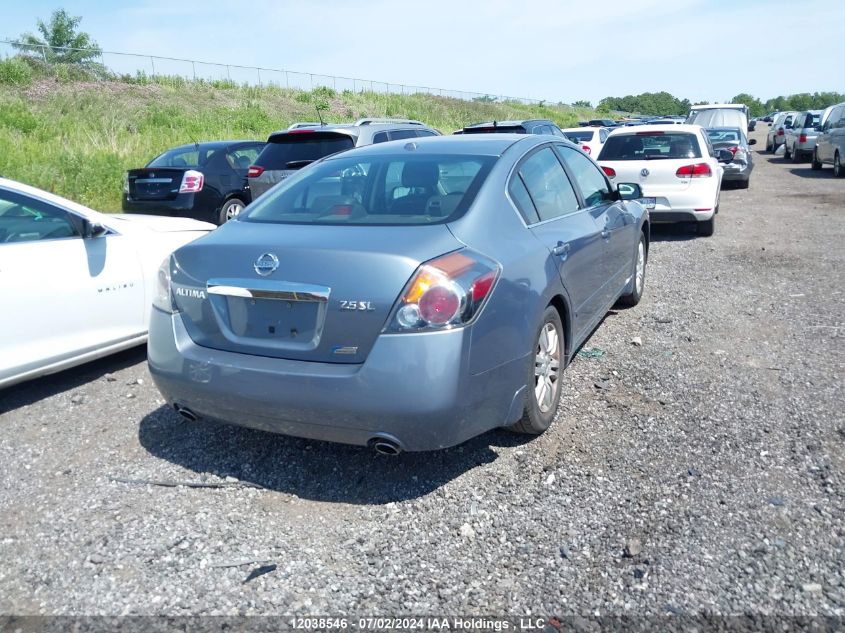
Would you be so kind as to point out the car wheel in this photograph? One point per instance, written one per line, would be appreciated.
(768, 145)
(816, 164)
(743, 184)
(786, 152)
(544, 381)
(638, 279)
(706, 227)
(796, 155)
(837, 166)
(231, 209)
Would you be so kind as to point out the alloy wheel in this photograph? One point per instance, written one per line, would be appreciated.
(547, 367)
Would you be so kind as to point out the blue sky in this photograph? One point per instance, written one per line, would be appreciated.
(558, 50)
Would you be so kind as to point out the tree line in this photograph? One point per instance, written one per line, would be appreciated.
(663, 103)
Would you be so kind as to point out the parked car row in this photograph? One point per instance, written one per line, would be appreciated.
(815, 135)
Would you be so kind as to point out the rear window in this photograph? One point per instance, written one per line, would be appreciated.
(191, 157)
(383, 190)
(722, 136)
(292, 151)
(648, 146)
(579, 137)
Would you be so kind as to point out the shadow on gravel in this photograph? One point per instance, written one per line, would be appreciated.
(32, 391)
(807, 172)
(673, 232)
(319, 471)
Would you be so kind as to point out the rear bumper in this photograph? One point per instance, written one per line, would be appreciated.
(679, 206)
(737, 171)
(415, 389)
(183, 206)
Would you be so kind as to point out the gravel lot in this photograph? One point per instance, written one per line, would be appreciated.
(701, 471)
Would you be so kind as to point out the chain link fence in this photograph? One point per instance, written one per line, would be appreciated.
(114, 65)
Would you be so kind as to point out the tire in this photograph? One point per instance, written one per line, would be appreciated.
(768, 145)
(706, 228)
(838, 172)
(230, 209)
(540, 403)
(796, 155)
(638, 277)
(816, 165)
(744, 184)
(786, 153)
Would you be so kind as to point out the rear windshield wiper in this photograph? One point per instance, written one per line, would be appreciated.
(296, 164)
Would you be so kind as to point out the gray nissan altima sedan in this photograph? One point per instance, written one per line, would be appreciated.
(405, 295)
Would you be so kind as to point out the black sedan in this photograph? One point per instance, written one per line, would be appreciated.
(204, 181)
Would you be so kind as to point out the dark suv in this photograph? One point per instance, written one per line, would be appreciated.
(528, 126)
(204, 181)
(303, 143)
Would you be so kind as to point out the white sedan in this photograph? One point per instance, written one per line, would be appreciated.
(678, 171)
(76, 284)
(590, 139)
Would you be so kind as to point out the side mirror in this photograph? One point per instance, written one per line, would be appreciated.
(629, 190)
(752, 141)
(724, 156)
(91, 230)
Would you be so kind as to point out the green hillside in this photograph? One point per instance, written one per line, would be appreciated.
(77, 137)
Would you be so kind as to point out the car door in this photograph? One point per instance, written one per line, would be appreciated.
(543, 193)
(618, 229)
(63, 295)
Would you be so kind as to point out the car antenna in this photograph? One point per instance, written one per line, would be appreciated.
(319, 115)
(495, 124)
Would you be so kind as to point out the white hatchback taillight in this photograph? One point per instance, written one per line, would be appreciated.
(254, 171)
(192, 182)
(444, 293)
(699, 170)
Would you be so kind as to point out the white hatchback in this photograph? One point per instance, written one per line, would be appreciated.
(77, 284)
(676, 168)
(590, 139)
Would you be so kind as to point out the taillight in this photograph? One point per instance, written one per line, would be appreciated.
(699, 170)
(611, 173)
(802, 138)
(733, 149)
(780, 131)
(192, 182)
(444, 293)
(254, 171)
(586, 148)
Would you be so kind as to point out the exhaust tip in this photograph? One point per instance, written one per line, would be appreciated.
(385, 446)
(186, 413)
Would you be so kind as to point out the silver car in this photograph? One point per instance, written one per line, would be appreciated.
(303, 143)
(801, 135)
(830, 144)
(777, 132)
(405, 296)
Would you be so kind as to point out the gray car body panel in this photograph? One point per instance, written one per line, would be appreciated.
(804, 124)
(422, 390)
(831, 139)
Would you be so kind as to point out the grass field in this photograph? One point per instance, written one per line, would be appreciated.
(77, 137)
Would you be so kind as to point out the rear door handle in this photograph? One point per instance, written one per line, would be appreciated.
(561, 249)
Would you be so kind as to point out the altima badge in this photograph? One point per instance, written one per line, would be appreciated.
(644, 172)
(266, 264)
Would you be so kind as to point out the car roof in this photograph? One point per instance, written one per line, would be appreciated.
(590, 128)
(511, 123)
(473, 145)
(212, 144)
(373, 124)
(675, 128)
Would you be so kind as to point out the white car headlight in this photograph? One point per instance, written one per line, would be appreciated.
(162, 299)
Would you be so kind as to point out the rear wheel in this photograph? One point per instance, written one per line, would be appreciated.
(786, 152)
(768, 145)
(706, 227)
(638, 278)
(837, 166)
(743, 184)
(796, 155)
(231, 209)
(544, 381)
(816, 164)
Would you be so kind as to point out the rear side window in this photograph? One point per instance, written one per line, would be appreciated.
(548, 185)
(292, 151)
(242, 158)
(384, 190)
(589, 177)
(425, 133)
(650, 145)
(522, 200)
(579, 136)
(397, 135)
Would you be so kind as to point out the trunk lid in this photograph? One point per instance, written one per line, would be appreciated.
(327, 300)
(155, 183)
